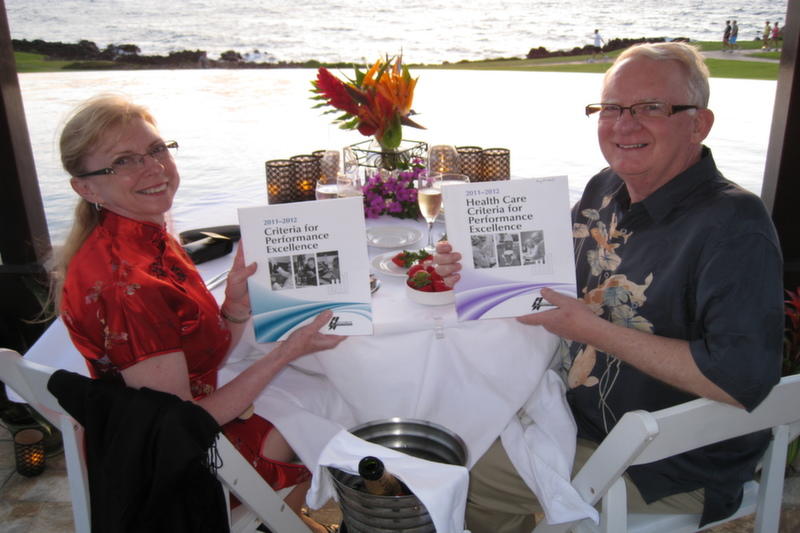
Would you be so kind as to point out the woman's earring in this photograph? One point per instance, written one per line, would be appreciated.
(98, 207)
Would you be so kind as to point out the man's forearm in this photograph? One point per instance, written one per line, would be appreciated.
(668, 360)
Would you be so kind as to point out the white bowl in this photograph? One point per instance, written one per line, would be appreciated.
(430, 298)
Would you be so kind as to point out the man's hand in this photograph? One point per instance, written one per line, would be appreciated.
(571, 319)
(447, 263)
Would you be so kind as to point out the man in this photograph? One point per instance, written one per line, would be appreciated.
(726, 36)
(597, 46)
(765, 36)
(680, 276)
(734, 36)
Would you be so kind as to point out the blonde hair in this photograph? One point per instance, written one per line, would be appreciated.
(87, 125)
(690, 59)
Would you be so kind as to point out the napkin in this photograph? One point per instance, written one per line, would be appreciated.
(441, 487)
(541, 445)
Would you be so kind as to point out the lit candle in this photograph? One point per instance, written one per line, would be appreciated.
(29, 452)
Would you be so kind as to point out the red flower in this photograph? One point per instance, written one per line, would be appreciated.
(335, 92)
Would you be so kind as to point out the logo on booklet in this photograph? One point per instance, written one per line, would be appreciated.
(334, 323)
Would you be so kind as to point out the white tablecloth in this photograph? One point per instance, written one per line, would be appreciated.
(480, 379)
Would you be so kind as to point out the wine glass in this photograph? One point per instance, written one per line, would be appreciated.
(348, 185)
(429, 198)
(326, 190)
(451, 178)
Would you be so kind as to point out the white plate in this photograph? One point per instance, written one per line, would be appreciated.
(383, 264)
(392, 236)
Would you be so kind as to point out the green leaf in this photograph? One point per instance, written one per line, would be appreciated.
(393, 135)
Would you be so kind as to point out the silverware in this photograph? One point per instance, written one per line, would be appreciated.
(217, 280)
(374, 284)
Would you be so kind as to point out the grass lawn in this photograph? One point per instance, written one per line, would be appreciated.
(719, 68)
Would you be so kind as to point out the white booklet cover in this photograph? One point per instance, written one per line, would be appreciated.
(311, 256)
(515, 237)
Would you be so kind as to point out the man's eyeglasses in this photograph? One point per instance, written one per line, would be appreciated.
(642, 110)
(127, 164)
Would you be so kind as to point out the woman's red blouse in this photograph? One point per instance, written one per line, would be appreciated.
(131, 293)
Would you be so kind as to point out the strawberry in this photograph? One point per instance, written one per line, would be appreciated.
(414, 269)
(405, 258)
(440, 286)
(420, 280)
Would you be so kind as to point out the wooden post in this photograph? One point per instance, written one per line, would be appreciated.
(24, 238)
(781, 188)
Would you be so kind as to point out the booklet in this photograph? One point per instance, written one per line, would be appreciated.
(311, 256)
(515, 237)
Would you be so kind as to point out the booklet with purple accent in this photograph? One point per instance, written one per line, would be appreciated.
(515, 237)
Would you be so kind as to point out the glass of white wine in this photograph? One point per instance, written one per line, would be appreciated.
(429, 198)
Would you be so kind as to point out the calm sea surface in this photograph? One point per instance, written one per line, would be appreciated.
(229, 122)
(427, 31)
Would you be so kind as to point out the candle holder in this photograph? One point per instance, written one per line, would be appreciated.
(308, 171)
(29, 452)
(495, 164)
(442, 159)
(329, 165)
(281, 180)
(469, 162)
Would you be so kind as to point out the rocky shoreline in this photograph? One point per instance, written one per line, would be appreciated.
(87, 55)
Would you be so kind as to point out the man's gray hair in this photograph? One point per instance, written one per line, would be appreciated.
(685, 54)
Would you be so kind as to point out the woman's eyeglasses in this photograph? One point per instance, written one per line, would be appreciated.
(130, 163)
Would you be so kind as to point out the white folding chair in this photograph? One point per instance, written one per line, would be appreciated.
(641, 437)
(261, 504)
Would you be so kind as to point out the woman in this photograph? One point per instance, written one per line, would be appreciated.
(136, 307)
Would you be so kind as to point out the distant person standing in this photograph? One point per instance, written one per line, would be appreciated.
(734, 36)
(597, 47)
(726, 36)
(765, 36)
(776, 35)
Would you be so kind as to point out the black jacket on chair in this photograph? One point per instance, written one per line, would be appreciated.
(147, 456)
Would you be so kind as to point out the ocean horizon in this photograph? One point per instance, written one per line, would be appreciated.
(424, 31)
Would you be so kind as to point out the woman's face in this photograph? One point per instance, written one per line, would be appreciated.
(145, 192)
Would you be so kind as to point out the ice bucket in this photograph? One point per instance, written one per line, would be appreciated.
(367, 513)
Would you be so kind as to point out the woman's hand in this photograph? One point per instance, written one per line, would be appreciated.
(447, 263)
(237, 299)
(308, 339)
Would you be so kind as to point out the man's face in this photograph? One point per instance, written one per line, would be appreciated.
(648, 152)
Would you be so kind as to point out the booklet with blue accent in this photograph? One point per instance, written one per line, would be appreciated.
(311, 256)
(515, 238)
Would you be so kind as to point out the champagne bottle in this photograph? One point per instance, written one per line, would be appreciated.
(377, 480)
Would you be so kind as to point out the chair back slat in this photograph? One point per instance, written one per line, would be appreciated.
(701, 422)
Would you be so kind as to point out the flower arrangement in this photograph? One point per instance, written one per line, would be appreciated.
(392, 193)
(376, 102)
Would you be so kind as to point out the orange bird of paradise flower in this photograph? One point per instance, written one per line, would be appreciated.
(378, 102)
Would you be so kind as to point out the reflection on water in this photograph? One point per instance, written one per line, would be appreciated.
(228, 123)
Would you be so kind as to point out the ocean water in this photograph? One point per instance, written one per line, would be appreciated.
(426, 31)
(229, 122)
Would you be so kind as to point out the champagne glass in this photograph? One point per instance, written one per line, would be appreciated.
(429, 198)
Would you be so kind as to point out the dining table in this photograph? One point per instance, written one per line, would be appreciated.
(480, 379)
